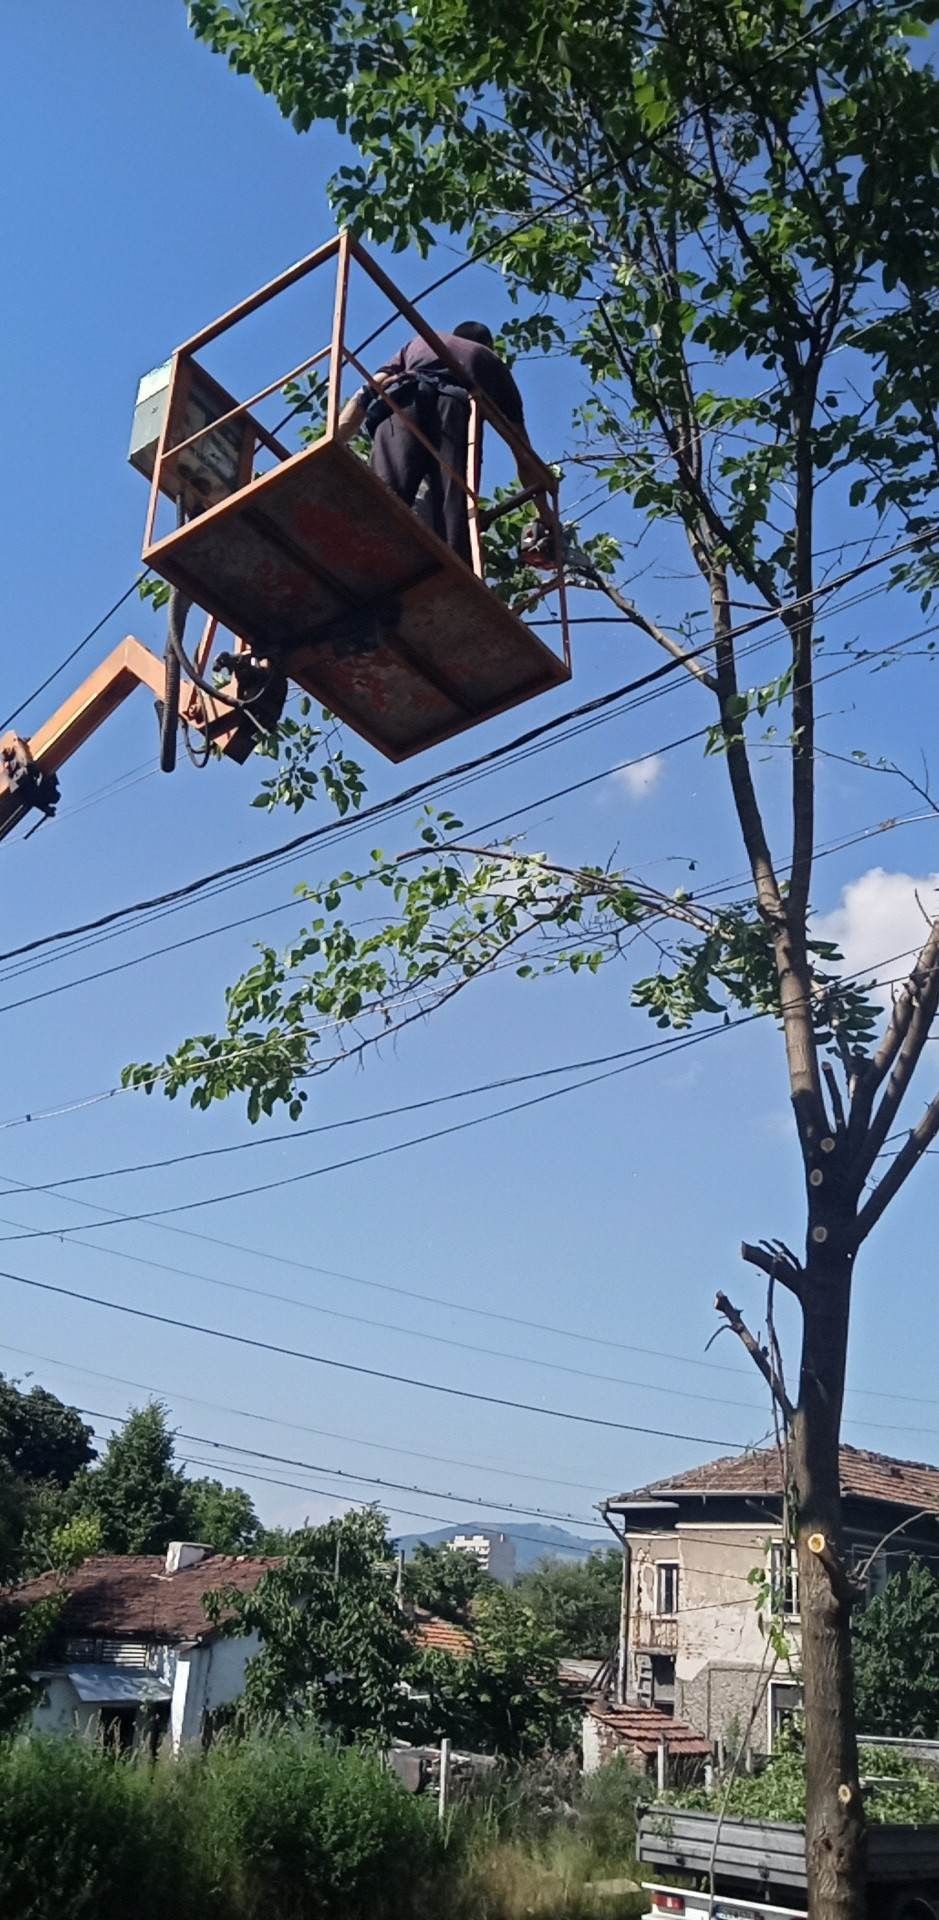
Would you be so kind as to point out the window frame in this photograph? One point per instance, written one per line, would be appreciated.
(785, 1598)
(672, 1568)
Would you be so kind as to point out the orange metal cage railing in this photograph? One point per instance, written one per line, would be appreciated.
(345, 249)
(301, 556)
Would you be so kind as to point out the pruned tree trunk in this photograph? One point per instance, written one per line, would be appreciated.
(835, 1827)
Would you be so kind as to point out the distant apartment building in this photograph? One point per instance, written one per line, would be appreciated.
(494, 1551)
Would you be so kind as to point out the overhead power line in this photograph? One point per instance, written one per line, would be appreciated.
(340, 830)
(370, 1373)
(298, 1426)
(252, 863)
(678, 1045)
(362, 1479)
(353, 1500)
(76, 650)
(654, 1050)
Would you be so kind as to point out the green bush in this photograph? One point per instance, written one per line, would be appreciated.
(902, 1789)
(607, 1808)
(84, 1835)
(302, 1829)
(280, 1824)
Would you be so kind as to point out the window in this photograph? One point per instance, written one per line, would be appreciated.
(785, 1708)
(666, 1587)
(784, 1580)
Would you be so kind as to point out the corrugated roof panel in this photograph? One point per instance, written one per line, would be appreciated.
(106, 1686)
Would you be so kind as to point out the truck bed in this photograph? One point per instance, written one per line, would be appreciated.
(771, 1853)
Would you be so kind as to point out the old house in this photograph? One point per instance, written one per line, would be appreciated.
(135, 1654)
(699, 1547)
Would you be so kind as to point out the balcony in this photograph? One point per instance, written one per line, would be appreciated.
(656, 1633)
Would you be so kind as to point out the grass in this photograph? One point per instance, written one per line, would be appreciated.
(541, 1841)
(283, 1824)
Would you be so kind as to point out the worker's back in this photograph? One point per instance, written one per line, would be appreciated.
(481, 368)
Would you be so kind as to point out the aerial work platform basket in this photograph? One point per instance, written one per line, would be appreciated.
(315, 563)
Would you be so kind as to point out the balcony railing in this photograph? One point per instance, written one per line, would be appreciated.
(657, 1633)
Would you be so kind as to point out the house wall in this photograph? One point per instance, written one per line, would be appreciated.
(715, 1636)
(207, 1677)
(202, 1678)
(59, 1710)
(600, 1744)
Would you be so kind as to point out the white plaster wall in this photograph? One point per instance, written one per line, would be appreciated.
(592, 1749)
(207, 1677)
(60, 1710)
(225, 1675)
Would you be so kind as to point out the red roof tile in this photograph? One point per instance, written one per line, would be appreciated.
(132, 1597)
(645, 1727)
(865, 1476)
(442, 1636)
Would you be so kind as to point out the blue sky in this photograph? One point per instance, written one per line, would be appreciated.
(152, 189)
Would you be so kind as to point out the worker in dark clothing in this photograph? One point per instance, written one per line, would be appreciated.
(428, 394)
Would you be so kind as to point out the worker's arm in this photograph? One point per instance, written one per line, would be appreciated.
(353, 413)
(529, 473)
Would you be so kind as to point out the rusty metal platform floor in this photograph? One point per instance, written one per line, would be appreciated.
(371, 613)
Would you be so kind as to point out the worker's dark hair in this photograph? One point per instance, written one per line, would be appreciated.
(474, 330)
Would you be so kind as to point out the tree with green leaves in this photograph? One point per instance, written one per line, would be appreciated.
(138, 1494)
(504, 1696)
(42, 1439)
(222, 1517)
(896, 1656)
(44, 1444)
(444, 1579)
(726, 217)
(579, 1600)
(334, 1642)
(25, 1634)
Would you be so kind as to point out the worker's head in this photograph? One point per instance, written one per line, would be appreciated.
(474, 330)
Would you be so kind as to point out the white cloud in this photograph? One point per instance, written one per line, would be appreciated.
(642, 776)
(878, 918)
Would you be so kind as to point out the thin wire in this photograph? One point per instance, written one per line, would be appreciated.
(296, 1426)
(361, 1479)
(370, 1373)
(338, 830)
(76, 650)
(261, 860)
(399, 1146)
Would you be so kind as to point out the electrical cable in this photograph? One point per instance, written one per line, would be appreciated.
(370, 1373)
(361, 1479)
(326, 1433)
(337, 830)
(76, 650)
(256, 861)
(378, 1153)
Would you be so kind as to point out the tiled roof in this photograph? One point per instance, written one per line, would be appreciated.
(132, 1597)
(645, 1727)
(865, 1476)
(441, 1636)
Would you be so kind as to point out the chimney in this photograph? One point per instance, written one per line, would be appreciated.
(185, 1553)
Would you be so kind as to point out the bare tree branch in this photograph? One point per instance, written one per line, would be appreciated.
(778, 1264)
(900, 1169)
(898, 1055)
(925, 1513)
(650, 627)
(834, 1094)
(757, 1353)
